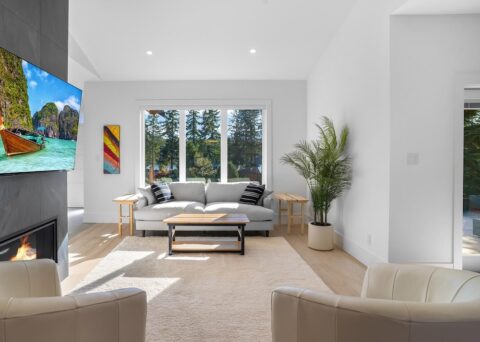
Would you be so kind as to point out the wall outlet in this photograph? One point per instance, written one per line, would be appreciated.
(413, 158)
(369, 239)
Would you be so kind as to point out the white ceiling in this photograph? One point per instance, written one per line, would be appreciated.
(202, 39)
(439, 7)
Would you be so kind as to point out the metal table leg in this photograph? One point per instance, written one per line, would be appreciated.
(170, 238)
(242, 242)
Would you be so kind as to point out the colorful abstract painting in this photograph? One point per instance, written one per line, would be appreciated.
(111, 149)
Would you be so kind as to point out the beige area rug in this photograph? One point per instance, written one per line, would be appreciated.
(204, 296)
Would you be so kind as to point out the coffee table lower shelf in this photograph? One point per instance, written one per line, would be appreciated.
(211, 220)
(206, 246)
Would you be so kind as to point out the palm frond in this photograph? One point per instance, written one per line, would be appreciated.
(325, 165)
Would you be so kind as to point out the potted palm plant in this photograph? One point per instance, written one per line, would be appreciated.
(326, 167)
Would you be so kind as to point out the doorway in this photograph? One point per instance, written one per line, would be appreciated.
(471, 180)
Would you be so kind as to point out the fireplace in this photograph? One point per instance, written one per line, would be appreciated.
(35, 242)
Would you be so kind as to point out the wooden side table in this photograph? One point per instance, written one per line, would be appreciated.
(129, 200)
(291, 199)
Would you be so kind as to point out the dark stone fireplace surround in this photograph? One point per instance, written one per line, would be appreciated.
(30, 199)
(38, 32)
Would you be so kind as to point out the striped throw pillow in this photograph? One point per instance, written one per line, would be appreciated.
(162, 193)
(252, 194)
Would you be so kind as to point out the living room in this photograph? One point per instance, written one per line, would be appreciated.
(261, 170)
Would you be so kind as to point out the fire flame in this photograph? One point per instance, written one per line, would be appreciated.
(25, 251)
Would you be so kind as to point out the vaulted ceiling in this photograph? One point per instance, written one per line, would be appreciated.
(202, 39)
(211, 39)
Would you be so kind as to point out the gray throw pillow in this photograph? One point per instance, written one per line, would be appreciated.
(148, 194)
(266, 193)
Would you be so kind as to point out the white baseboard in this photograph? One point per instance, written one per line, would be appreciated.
(364, 256)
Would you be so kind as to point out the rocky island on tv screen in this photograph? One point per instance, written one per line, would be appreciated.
(39, 116)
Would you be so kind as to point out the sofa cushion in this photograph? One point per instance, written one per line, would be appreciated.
(225, 192)
(161, 211)
(253, 212)
(188, 191)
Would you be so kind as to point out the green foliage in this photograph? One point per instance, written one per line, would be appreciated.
(47, 117)
(210, 145)
(471, 154)
(153, 142)
(232, 170)
(161, 144)
(202, 167)
(325, 165)
(169, 128)
(245, 143)
(203, 144)
(68, 123)
(13, 92)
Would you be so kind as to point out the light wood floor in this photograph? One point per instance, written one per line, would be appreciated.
(340, 271)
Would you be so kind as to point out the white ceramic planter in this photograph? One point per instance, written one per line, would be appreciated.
(320, 237)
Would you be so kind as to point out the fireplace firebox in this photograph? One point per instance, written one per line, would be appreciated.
(35, 242)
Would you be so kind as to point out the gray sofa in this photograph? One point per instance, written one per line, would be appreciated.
(197, 197)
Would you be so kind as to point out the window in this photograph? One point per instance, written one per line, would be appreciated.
(219, 144)
(202, 132)
(245, 145)
(161, 145)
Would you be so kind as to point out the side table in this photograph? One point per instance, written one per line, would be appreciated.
(130, 201)
(291, 199)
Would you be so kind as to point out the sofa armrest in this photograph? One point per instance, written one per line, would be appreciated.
(35, 278)
(267, 201)
(142, 202)
(118, 315)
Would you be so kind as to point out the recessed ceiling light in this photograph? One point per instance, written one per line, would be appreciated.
(149, 52)
(253, 51)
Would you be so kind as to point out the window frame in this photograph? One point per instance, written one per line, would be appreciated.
(223, 106)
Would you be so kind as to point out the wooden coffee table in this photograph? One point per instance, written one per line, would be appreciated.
(216, 220)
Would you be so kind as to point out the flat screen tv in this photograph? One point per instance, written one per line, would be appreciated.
(39, 115)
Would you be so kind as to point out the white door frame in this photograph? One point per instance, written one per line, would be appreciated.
(462, 81)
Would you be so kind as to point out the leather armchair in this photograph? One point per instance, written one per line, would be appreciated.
(32, 308)
(398, 303)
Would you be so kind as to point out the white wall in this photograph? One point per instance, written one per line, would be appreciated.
(77, 74)
(75, 182)
(427, 53)
(117, 103)
(472, 94)
(350, 83)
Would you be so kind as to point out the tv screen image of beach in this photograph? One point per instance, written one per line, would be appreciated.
(39, 115)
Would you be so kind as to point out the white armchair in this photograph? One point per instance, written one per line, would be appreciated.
(32, 308)
(398, 303)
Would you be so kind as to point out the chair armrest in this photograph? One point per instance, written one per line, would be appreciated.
(118, 315)
(35, 278)
(300, 315)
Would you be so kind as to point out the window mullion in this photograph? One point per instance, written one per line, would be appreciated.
(182, 147)
(224, 146)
